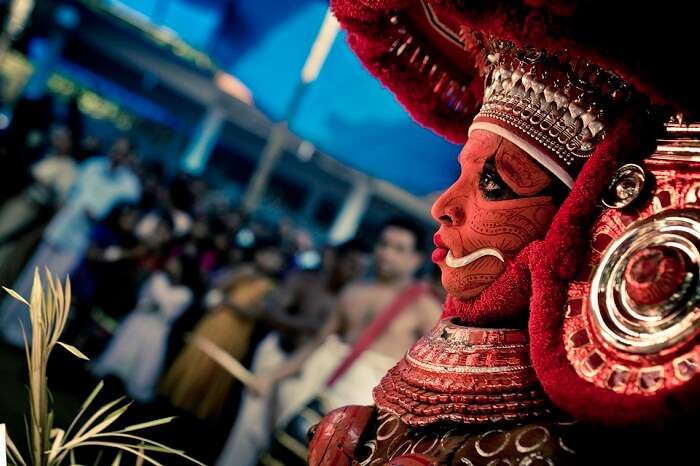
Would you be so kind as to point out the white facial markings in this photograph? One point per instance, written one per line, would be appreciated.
(457, 262)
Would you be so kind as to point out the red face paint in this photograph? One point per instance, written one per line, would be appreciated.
(470, 220)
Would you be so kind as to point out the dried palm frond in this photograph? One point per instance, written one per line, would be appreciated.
(49, 306)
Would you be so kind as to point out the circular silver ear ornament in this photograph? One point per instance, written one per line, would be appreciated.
(645, 291)
(632, 318)
(625, 187)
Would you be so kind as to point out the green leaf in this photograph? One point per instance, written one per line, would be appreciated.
(117, 459)
(15, 295)
(91, 397)
(73, 350)
(139, 461)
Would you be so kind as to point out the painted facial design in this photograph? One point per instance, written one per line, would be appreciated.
(499, 204)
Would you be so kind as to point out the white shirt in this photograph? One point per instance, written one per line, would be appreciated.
(97, 190)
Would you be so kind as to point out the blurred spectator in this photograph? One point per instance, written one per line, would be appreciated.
(372, 303)
(209, 239)
(143, 248)
(375, 322)
(102, 183)
(90, 146)
(197, 384)
(137, 351)
(296, 311)
(115, 255)
(24, 217)
(24, 142)
(288, 235)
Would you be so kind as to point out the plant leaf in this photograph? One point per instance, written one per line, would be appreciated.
(107, 421)
(73, 350)
(79, 436)
(143, 442)
(152, 445)
(15, 455)
(124, 447)
(15, 295)
(86, 425)
(88, 401)
(57, 435)
(117, 459)
(146, 425)
(139, 460)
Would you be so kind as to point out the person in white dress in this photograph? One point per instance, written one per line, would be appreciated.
(136, 353)
(102, 183)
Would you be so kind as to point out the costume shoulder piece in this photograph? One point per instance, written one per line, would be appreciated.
(466, 375)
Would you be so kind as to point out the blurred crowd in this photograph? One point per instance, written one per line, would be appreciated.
(180, 297)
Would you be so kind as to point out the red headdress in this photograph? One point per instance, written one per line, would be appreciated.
(573, 84)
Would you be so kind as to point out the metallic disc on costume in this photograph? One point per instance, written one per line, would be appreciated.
(531, 439)
(365, 453)
(492, 443)
(655, 261)
(632, 321)
(626, 186)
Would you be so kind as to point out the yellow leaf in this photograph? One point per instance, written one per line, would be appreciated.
(15, 295)
(146, 425)
(74, 351)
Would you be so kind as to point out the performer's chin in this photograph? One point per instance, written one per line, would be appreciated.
(469, 281)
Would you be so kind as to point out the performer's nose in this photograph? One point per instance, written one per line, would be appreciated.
(447, 210)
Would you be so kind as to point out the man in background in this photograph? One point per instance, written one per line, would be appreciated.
(374, 322)
(295, 312)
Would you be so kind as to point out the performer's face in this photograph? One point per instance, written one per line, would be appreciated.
(496, 207)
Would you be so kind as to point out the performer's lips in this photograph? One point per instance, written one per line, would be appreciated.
(439, 255)
(441, 250)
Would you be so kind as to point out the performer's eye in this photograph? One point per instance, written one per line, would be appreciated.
(491, 185)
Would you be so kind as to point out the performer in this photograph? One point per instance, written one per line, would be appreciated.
(568, 246)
